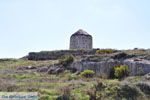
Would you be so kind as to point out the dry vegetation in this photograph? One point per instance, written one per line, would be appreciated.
(14, 76)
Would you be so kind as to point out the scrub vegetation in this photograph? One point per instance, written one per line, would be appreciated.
(18, 75)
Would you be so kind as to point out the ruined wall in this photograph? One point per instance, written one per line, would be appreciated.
(53, 55)
(81, 42)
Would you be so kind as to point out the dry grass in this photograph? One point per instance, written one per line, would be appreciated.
(14, 77)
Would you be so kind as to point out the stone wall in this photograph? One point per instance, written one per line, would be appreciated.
(81, 42)
(53, 55)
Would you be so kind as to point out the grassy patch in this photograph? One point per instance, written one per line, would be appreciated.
(17, 63)
(27, 76)
(51, 92)
(103, 51)
(50, 85)
(133, 79)
(110, 80)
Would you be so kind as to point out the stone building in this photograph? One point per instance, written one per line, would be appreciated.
(81, 40)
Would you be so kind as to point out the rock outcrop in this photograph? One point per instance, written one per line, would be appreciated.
(140, 67)
(100, 63)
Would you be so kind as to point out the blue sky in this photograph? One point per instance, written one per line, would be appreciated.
(37, 25)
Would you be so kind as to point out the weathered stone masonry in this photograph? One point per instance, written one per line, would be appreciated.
(81, 40)
(53, 55)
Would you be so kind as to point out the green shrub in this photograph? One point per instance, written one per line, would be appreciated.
(101, 51)
(99, 86)
(66, 93)
(45, 97)
(87, 73)
(140, 50)
(96, 92)
(72, 77)
(11, 88)
(145, 87)
(121, 71)
(67, 60)
(120, 55)
(129, 92)
(112, 73)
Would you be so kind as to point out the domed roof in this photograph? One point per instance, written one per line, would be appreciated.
(81, 32)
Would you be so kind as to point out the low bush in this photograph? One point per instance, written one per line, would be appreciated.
(66, 93)
(145, 87)
(96, 92)
(45, 97)
(129, 92)
(120, 55)
(101, 51)
(102, 75)
(11, 88)
(87, 73)
(72, 77)
(140, 50)
(121, 71)
(99, 86)
(67, 60)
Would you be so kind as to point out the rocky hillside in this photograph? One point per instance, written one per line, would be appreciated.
(103, 61)
(81, 77)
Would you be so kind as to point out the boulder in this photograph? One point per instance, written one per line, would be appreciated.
(120, 55)
(43, 69)
(30, 67)
(147, 77)
(55, 69)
